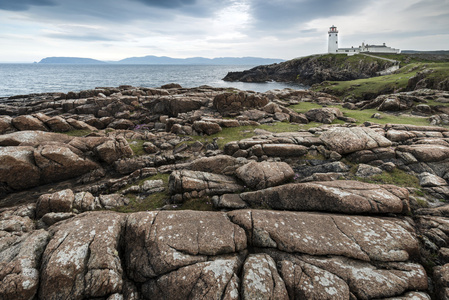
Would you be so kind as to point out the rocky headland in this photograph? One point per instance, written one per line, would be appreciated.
(213, 193)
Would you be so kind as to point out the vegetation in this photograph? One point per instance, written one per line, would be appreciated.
(151, 202)
(137, 147)
(396, 177)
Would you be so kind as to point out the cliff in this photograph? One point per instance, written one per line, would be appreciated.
(314, 69)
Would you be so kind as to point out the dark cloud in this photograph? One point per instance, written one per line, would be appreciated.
(283, 14)
(21, 5)
(168, 3)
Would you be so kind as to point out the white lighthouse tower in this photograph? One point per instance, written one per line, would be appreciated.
(332, 45)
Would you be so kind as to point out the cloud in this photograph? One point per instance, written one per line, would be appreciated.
(284, 15)
(168, 3)
(21, 5)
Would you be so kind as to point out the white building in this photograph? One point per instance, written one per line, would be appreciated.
(333, 46)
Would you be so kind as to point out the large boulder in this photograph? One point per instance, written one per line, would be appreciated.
(212, 184)
(332, 196)
(81, 260)
(426, 153)
(160, 242)
(324, 115)
(235, 102)
(27, 122)
(61, 201)
(359, 237)
(18, 170)
(264, 174)
(346, 140)
(20, 265)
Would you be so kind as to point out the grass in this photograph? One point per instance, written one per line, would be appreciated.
(137, 147)
(396, 177)
(363, 115)
(151, 202)
(203, 204)
(78, 132)
(371, 87)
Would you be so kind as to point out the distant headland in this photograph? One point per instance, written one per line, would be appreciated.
(164, 60)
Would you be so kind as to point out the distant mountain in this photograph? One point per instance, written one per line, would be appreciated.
(164, 60)
(70, 60)
(438, 52)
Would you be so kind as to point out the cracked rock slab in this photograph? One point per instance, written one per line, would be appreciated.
(160, 242)
(358, 237)
(346, 140)
(81, 260)
(344, 196)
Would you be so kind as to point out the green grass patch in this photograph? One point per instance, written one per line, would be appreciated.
(396, 177)
(203, 204)
(362, 115)
(371, 87)
(137, 147)
(78, 132)
(151, 202)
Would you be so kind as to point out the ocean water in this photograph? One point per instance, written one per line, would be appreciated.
(23, 79)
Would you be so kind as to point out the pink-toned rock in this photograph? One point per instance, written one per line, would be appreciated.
(160, 242)
(81, 260)
(306, 281)
(206, 127)
(27, 122)
(113, 149)
(58, 124)
(346, 140)
(5, 124)
(261, 279)
(58, 162)
(362, 238)
(19, 266)
(32, 138)
(346, 196)
(260, 175)
(426, 153)
(18, 170)
(215, 279)
(61, 201)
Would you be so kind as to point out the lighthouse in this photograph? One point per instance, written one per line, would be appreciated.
(332, 45)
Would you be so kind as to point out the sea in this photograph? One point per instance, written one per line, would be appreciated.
(24, 79)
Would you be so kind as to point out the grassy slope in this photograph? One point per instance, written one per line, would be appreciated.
(371, 87)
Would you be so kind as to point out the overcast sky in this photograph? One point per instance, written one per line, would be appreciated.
(115, 29)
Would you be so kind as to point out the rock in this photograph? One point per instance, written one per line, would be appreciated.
(366, 171)
(278, 150)
(441, 277)
(113, 200)
(114, 149)
(32, 138)
(58, 162)
(324, 115)
(150, 148)
(374, 282)
(347, 140)
(236, 102)
(219, 164)
(61, 201)
(213, 184)
(399, 135)
(20, 265)
(426, 153)
(160, 242)
(254, 114)
(264, 174)
(18, 170)
(215, 279)
(5, 124)
(229, 201)
(429, 180)
(58, 124)
(332, 196)
(306, 281)
(261, 279)
(81, 259)
(208, 128)
(53, 218)
(27, 122)
(85, 201)
(358, 237)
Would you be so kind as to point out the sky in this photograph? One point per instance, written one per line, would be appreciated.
(31, 30)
